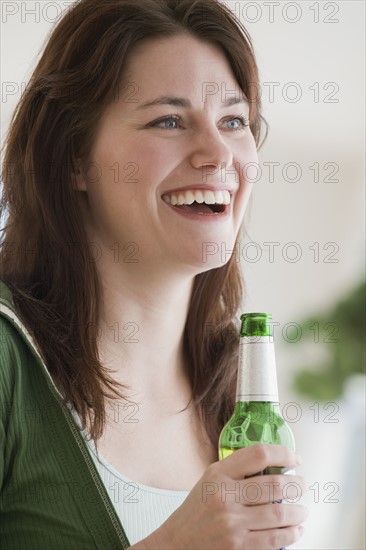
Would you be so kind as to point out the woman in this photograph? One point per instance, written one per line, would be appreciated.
(124, 186)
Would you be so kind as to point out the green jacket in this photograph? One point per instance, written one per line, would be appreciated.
(51, 494)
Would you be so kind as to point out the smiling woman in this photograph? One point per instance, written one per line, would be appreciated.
(199, 152)
(133, 133)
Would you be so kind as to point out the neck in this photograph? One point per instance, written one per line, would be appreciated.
(141, 330)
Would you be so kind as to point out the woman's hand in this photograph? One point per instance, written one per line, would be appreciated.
(226, 511)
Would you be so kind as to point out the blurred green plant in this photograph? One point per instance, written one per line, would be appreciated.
(345, 340)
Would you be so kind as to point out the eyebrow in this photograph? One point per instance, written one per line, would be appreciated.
(185, 103)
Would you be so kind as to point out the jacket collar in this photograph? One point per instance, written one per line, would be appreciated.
(109, 530)
(5, 295)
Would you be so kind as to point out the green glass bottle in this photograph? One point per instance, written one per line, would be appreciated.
(257, 416)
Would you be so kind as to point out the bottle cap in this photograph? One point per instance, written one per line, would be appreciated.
(256, 324)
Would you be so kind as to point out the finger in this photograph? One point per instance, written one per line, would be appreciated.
(271, 516)
(254, 459)
(272, 539)
(265, 489)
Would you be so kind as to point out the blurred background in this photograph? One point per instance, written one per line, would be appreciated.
(309, 207)
(303, 258)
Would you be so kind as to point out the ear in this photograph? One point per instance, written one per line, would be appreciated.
(77, 178)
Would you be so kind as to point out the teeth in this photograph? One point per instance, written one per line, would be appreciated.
(209, 197)
(219, 197)
(188, 197)
(181, 199)
(199, 197)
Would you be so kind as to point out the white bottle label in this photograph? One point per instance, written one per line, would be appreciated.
(257, 378)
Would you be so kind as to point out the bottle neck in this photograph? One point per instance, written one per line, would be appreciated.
(258, 409)
(257, 378)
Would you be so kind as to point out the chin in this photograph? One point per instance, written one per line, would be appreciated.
(206, 262)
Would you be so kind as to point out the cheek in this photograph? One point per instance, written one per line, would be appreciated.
(248, 164)
(141, 162)
(156, 159)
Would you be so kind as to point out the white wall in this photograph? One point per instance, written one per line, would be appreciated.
(324, 58)
(313, 130)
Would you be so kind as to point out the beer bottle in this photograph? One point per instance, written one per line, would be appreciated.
(257, 416)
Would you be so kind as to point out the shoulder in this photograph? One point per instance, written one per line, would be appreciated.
(13, 355)
(10, 340)
(14, 347)
(10, 326)
(13, 333)
(21, 360)
(5, 293)
(21, 378)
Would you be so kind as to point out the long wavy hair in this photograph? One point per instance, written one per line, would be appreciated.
(44, 254)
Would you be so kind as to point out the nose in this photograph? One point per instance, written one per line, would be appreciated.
(210, 149)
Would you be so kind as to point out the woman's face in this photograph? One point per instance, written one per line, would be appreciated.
(176, 126)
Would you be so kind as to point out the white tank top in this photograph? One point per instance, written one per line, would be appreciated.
(140, 508)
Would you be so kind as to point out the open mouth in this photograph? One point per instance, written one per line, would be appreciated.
(202, 208)
(205, 203)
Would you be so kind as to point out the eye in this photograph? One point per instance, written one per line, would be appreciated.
(237, 123)
(166, 123)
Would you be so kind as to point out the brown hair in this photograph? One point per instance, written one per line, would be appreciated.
(44, 255)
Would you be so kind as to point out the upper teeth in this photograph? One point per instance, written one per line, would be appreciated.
(188, 197)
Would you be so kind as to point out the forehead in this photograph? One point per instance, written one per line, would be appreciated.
(180, 65)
